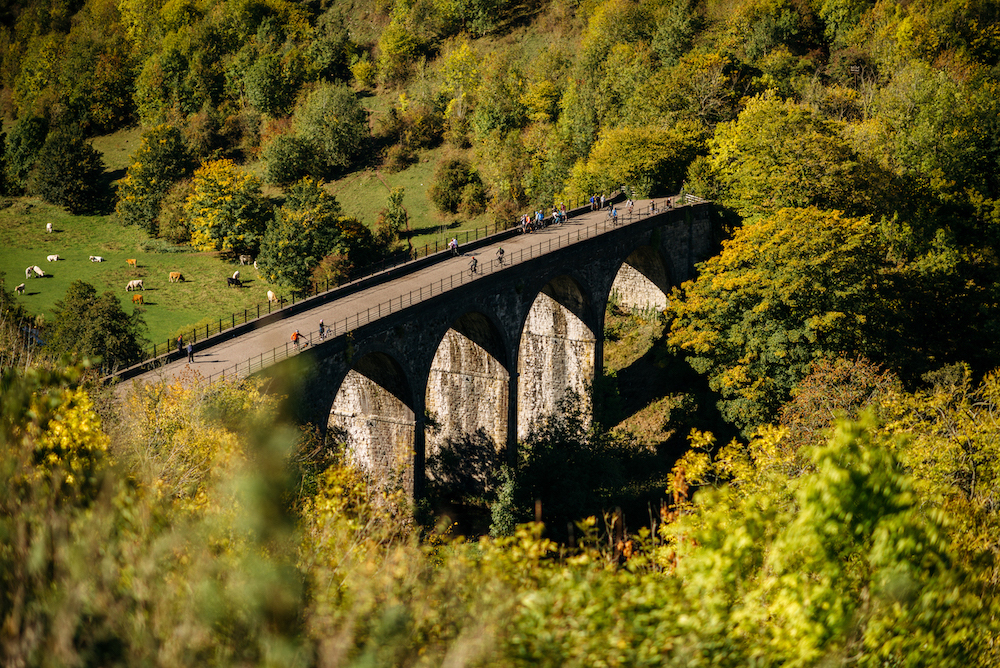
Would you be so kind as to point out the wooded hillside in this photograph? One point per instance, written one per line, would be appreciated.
(847, 332)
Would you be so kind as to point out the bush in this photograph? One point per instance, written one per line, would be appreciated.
(398, 158)
(448, 192)
(288, 159)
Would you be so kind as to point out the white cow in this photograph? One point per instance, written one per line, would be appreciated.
(271, 297)
(96, 258)
(19, 289)
(52, 258)
(38, 270)
(236, 274)
(48, 228)
(29, 272)
(134, 285)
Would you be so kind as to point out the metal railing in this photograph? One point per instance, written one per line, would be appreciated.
(223, 324)
(457, 279)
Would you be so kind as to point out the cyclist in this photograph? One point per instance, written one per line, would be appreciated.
(322, 330)
(614, 215)
(500, 254)
(473, 265)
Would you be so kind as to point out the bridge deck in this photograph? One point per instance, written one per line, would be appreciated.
(272, 341)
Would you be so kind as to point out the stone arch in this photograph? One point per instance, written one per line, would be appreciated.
(373, 412)
(466, 399)
(556, 354)
(642, 281)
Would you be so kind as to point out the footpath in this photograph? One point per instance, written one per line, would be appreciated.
(222, 357)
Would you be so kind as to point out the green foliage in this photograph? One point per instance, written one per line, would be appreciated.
(649, 160)
(304, 231)
(69, 173)
(334, 124)
(780, 154)
(21, 151)
(288, 159)
(92, 325)
(226, 209)
(157, 164)
(787, 290)
(457, 187)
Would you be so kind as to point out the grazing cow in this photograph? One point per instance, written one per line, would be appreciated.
(131, 263)
(19, 289)
(134, 285)
(48, 228)
(175, 277)
(52, 258)
(245, 259)
(96, 258)
(233, 283)
(236, 274)
(29, 272)
(38, 271)
(271, 297)
(136, 299)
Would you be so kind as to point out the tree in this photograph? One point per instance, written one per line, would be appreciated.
(159, 162)
(786, 290)
(650, 160)
(778, 154)
(69, 172)
(449, 192)
(23, 144)
(93, 325)
(227, 210)
(304, 231)
(334, 123)
(288, 158)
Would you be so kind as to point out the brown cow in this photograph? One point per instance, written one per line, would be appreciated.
(131, 263)
(175, 276)
(136, 299)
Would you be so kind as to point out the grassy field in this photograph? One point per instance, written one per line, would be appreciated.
(364, 193)
(169, 307)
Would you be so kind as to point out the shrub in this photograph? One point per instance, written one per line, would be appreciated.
(450, 182)
(288, 159)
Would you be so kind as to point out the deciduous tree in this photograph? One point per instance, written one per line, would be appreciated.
(227, 210)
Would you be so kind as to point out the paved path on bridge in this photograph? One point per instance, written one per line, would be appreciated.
(226, 354)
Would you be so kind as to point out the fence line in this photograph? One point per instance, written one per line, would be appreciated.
(417, 295)
(257, 310)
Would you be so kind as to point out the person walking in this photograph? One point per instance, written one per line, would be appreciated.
(322, 330)
(180, 344)
(295, 339)
(602, 201)
(190, 350)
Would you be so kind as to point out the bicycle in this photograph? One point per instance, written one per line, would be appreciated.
(473, 265)
(500, 256)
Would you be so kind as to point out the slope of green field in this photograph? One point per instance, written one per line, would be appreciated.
(169, 307)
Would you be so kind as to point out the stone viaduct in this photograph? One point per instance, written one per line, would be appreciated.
(490, 359)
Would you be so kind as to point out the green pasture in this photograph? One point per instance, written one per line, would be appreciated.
(203, 297)
(364, 193)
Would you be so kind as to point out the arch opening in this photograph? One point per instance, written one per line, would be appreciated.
(556, 355)
(642, 282)
(373, 413)
(467, 404)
